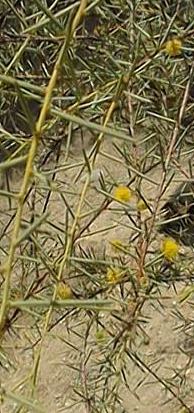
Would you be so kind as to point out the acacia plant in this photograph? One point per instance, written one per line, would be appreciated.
(96, 205)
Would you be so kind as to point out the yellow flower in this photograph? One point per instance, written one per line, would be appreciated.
(113, 275)
(173, 47)
(144, 282)
(64, 291)
(170, 249)
(122, 193)
(116, 245)
(141, 205)
(100, 336)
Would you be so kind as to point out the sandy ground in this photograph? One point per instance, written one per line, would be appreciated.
(166, 333)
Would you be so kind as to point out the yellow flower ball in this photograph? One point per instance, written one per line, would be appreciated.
(141, 205)
(170, 249)
(64, 292)
(113, 275)
(116, 245)
(173, 47)
(100, 336)
(122, 193)
(144, 282)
